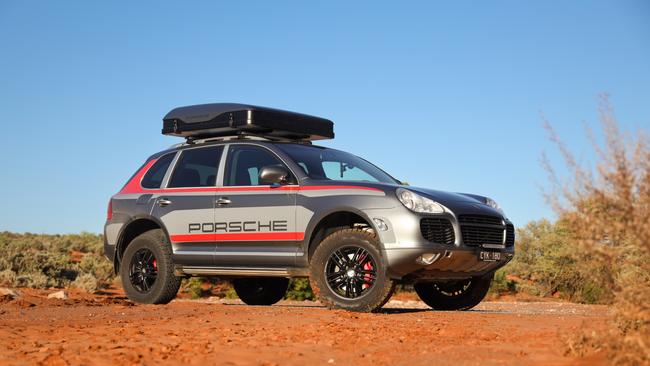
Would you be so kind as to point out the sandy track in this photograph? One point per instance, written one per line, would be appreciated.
(108, 330)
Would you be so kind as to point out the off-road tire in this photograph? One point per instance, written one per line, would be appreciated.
(166, 284)
(464, 300)
(377, 295)
(261, 290)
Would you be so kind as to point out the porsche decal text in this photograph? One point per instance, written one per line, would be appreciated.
(237, 226)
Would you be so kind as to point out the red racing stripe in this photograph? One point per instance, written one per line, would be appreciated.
(265, 236)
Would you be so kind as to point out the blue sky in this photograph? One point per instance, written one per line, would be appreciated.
(442, 95)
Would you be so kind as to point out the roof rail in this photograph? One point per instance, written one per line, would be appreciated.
(243, 136)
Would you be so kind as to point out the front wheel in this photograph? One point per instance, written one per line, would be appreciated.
(261, 290)
(347, 271)
(454, 295)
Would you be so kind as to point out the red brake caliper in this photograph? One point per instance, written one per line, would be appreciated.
(155, 265)
(366, 278)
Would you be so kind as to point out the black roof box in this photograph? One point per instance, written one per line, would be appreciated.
(230, 119)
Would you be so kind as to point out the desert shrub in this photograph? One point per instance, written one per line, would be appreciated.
(33, 280)
(42, 261)
(7, 278)
(99, 267)
(193, 286)
(230, 293)
(548, 264)
(607, 208)
(299, 289)
(501, 284)
(197, 287)
(86, 282)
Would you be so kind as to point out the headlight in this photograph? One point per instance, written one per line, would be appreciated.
(492, 203)
(417, 203)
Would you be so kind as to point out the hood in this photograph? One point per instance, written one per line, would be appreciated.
(460, 203)
(446, 197)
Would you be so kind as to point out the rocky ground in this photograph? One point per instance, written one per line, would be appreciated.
(106, 329)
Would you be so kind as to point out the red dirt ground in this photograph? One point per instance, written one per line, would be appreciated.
(107, 329)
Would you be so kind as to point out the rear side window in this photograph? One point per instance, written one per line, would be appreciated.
(155, 174)
(197, 167)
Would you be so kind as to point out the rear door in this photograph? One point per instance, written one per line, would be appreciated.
(186, 205)
(255, 223)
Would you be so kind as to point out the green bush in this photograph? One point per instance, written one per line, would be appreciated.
(230, 293)
(42, 261)
(299, 289)
(501, 284)
(86, 282)
(548, 263)
(7, 278)
(193, 286)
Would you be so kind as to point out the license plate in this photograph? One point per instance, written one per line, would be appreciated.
(489, 256)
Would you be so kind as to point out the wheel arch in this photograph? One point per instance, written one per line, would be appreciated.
(328, 222)
(137, 225)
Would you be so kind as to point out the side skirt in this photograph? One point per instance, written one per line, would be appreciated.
(241, 271)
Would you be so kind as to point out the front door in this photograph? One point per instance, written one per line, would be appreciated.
(255, 223)
(186, 205)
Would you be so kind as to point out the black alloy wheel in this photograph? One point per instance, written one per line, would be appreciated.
(351, 272)
(453, 289)
(348, 271)
(143, 271)
(261, 290)
(454, 295)
(147, 269)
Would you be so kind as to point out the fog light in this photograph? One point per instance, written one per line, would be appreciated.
(428, 258)
(381, 225)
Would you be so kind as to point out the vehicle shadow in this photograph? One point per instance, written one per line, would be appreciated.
(390, 311)
(387, 311)
(384, 311)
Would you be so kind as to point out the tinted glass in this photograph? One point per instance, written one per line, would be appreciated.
(244, 164)
(155, 174)
(197, 167)
(329, 164)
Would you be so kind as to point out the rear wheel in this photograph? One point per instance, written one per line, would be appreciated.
(454, 295)
(147, 270)
(261, 290)
(347, 271)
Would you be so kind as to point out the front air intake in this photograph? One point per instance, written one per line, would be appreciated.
(437, 230)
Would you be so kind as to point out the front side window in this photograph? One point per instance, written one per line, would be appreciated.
(197, 167)
(156, 174)
(328, 164)
(245, 162)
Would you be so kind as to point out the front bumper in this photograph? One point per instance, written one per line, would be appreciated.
(403, 243)
(449, 263)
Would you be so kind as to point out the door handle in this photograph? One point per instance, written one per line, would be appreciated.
(162, 202)
(223, 201)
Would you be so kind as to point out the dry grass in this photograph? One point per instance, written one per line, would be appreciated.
(607, 208)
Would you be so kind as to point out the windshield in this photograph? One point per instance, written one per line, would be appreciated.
(328, 164)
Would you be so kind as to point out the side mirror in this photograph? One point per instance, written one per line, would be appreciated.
(273, 174)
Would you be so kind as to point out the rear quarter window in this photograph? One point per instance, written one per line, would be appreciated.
(156, 174)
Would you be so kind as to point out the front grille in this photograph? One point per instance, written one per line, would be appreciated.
(510, 235)
(480, 219)
(479, 229)
(437, 230)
